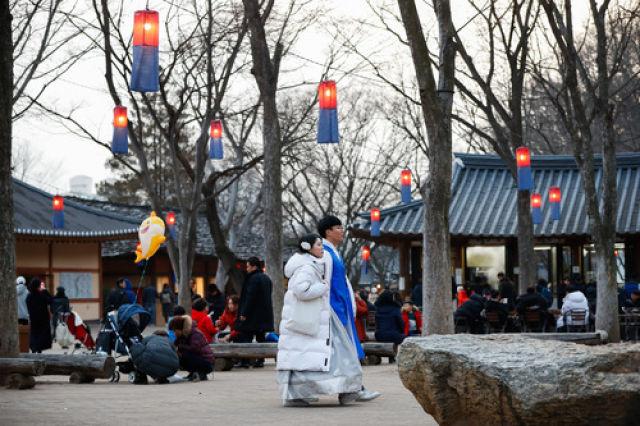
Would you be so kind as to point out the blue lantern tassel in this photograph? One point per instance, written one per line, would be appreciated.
(536, 215)
(406, 194)
(216, 151)
(555, 211)
(120, 141)
(375, 228)
(525, 181)
(144, 70)
(58, 219)
(328, 126)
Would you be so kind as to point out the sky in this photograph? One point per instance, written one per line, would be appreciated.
(82, 90)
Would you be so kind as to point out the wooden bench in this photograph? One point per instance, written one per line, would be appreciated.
(18, 373)
(81, 368)
(225, 353)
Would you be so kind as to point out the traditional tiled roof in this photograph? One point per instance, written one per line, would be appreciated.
(249, 245)
(484, 194)
(33, 217)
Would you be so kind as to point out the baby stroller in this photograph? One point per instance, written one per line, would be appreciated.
(77, 328)
(119, 332)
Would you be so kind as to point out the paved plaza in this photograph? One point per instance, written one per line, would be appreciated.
(238, 397)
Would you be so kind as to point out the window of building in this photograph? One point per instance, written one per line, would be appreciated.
(589, 262)
(485, 261)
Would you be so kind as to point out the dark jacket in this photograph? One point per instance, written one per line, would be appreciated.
(194, 342)
(530, 300)
(416, 295)
(501, 308)
(216, 305)
(149, 296)
(117, 297)
(155, 356)
(389, 323)
(507, 291)
(472, 308)
(255, 304)
(59, 304)
(40, 332)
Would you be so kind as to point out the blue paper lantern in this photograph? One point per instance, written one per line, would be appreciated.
(536, 211)
(58, 212)
(375, 222)
(216, 150)
(554, 202)
(146, 62)
(523, 161)
(405, 186)
(328, 121)
(120, 139)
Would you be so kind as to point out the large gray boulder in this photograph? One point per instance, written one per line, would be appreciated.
(464, 379)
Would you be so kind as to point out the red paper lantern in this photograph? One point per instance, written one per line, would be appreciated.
(328, 95)
(215, 130)
(405, 177)
(554, 194)
(171, 219)
(536, 201)
(145, 28)
(120, 117)
(523, 157)
(58, 203)
(366, 253)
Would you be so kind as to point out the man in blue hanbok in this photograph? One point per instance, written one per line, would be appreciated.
(341, 294)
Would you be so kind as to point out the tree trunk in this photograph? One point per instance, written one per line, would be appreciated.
(265, 71)
(436, 103)
(527, 268)
(8, 314)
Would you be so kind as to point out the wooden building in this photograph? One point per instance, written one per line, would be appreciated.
(68, 257)
(483, 222)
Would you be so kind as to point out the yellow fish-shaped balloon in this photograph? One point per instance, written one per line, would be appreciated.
(151, 234)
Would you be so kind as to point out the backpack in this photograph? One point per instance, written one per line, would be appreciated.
(63, 335)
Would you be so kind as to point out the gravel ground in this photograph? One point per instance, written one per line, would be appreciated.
(237, 397)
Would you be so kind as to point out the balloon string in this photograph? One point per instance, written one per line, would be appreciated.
(144, 270)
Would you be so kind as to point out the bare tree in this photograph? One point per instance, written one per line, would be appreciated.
(266, 70)
(436, 101)
(9, 315)
(492, 83)
(584, 105)
(43, 33)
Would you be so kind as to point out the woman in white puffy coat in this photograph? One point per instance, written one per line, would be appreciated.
(308, 333)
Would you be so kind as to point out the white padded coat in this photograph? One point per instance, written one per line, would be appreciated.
(303, 352)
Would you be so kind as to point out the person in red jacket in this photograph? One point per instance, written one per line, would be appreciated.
(228, 319)
(203, 320)
(412, 318)
(462, 296)
(361, 317)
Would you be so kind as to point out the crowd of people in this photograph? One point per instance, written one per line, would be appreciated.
(477, 302)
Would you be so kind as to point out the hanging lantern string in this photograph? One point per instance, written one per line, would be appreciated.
(147, 5)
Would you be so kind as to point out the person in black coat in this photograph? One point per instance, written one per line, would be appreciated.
(156, 357)
(471, 311)
(416, 295)
(38, 302)
(59, 305)
(117, 296)
(216, 301)
(506, 289)
(255, 313)
(389, 323)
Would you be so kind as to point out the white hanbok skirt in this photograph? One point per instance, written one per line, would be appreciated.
(344, 375)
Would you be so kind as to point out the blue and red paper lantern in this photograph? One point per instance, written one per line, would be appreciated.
(120, 140)
(58, 212)
(146, 62)
(366, 255)
(405, 186)
(536, 208)
(328, 120)
(555, 196)
(171, 224)
(523, 161)
(375, 222)
(216, 151)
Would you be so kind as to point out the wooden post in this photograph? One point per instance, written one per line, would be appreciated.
(404, 266)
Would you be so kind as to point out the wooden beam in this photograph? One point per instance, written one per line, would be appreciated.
(81, 368)
(27, 367)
